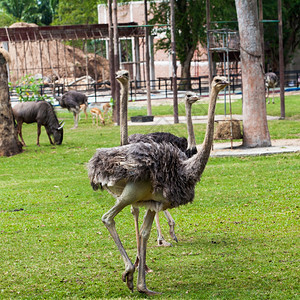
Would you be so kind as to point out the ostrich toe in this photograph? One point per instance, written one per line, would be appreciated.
(162, 242)
(127, 277)
(144, 290)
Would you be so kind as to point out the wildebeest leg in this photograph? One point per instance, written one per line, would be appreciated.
(20, 123)
(38, 134)
(76, 115)
(84, 110)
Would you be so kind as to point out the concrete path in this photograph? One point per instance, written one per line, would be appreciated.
(221, 149)
(278, 146)
(182, 119)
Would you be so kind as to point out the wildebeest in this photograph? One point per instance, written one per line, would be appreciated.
(43, 113)
(72, 101)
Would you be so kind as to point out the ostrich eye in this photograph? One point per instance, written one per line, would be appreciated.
(218, 80)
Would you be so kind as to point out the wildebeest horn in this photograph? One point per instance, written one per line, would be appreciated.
(61, 125)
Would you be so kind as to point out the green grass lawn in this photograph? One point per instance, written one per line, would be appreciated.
(239, 239)
(291, 103)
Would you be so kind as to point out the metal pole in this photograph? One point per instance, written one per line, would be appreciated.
(149, 110)
(111, 58)
(208, 44)
(173, 46)
(281, 61)
(116, 57)
(261, 29)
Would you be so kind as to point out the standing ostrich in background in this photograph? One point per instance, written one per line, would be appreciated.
(188, 148)
(72, 100)
(156, 176)
(271, 81)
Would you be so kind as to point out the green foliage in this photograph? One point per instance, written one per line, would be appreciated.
(70, 12)
(30, 11)
(6, 19)
(238, 239)
(291, 31)
(190, 18)
(28, 89)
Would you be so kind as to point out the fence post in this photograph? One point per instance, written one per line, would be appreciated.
(199, 85)
(95, 91)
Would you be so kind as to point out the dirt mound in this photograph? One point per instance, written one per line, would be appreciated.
(54, 59)
(22, 24)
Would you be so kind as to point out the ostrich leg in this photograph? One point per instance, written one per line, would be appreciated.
(108, 220)
(144, 236)
(171, 223)
(160, 239)
(135, 212)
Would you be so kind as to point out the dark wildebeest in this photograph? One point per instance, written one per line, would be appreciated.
(271, 81)
(43, 113)
(72, 101)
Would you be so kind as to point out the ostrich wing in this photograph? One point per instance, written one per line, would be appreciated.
(161, 164)
(160, 137)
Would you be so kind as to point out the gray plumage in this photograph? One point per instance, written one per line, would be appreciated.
(157, 176)
(161, 163)
(159, 137)
(271, 81)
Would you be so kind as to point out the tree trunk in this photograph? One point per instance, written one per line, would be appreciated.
(256, 132)
(185, 82)
(9, 143)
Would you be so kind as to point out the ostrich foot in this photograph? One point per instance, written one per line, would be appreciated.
(127, 277)
(163, 243)
(144, 290)
(147, 269)
(172, 234)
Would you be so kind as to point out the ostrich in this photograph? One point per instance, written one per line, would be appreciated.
(271, 81)
(72, 100)
(123, 77)
(186, 146)
(157, 176)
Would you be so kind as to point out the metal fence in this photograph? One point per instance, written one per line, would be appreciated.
(163, 86)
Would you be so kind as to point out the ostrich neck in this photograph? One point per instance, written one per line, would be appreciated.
(190, 128)
(123, 114)
(197, 163)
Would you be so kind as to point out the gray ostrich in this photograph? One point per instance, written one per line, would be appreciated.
(271, 81)
(188, 147)
(157, 176)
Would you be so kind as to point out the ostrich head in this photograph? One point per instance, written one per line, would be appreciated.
(219, 83)
(122, 76)
(191, 97)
